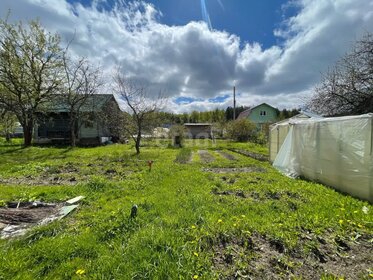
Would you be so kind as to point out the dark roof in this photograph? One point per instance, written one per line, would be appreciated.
(244, 114)
(197, 124)
(94, 102)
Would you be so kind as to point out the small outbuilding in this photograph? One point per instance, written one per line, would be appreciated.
(198, 130)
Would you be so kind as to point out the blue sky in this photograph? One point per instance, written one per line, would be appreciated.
(252, 20)
(196, 50)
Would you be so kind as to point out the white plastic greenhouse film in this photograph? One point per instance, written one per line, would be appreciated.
(277, 137)
(334, 151)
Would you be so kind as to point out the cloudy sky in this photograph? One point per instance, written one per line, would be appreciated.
(274, 51)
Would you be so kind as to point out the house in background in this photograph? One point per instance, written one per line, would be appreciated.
(261, 115)
(53, 123)
(198, 130)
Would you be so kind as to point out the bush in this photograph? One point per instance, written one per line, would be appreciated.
(241, 130)
(184, 155)
(177, 131)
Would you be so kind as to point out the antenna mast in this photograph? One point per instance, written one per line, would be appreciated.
(234, 102)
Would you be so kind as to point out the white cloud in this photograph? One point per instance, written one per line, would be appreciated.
(192, 60)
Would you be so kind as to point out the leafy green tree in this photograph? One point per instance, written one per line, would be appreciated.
(241, 130)
(31, 68)
(8, 123)
(229, 112)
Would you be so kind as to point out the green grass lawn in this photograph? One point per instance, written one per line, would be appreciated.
(228, 217)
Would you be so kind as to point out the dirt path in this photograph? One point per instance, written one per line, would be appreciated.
(247, 169)
(205, 156)
(226, 155)
(253, 155)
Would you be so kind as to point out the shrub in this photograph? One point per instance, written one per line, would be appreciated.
(177, 131)
(241, 130)
(184, 155)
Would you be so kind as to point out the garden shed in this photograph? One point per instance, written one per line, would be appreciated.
(198, 130)
(334, 151)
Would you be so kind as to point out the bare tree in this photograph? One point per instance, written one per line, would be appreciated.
(116, 121)
(31, 65)
(139, 104)
(347, 88)
(81, 81)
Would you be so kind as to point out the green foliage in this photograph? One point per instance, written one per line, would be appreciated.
(177, 132)
(8, 122)
(241, 130)
(30, 70)
(184, 155)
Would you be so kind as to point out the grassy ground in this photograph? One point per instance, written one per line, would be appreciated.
(204, 212)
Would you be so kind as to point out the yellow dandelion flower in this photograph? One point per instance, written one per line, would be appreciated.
(220, 221)
(243, 216)
(280, 224)
(193, 226)
(234, 225)
(196, 254)
(355, 212)
(340, 222)
(360, 225)
(80, 272)
(371, 275)
(195, 277)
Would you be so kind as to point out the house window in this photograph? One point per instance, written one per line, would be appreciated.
(263, 113)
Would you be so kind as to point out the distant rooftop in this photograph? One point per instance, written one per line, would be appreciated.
(197, 124)
(94, 102)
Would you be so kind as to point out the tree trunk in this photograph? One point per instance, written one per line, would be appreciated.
(7, 137)
(73, 137)
(27, 134)
(137, 142)
(72, 134)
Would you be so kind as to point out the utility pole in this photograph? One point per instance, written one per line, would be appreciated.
(234, 102)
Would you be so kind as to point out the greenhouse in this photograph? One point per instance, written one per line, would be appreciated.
(334, 151)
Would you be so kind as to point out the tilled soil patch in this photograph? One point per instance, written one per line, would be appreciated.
(26, 214)
(253, 155)
(226, 155)
(205, 156)
(259, 257)
(17, 218)
(39, 181)
(238, 193)
(247, 169)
